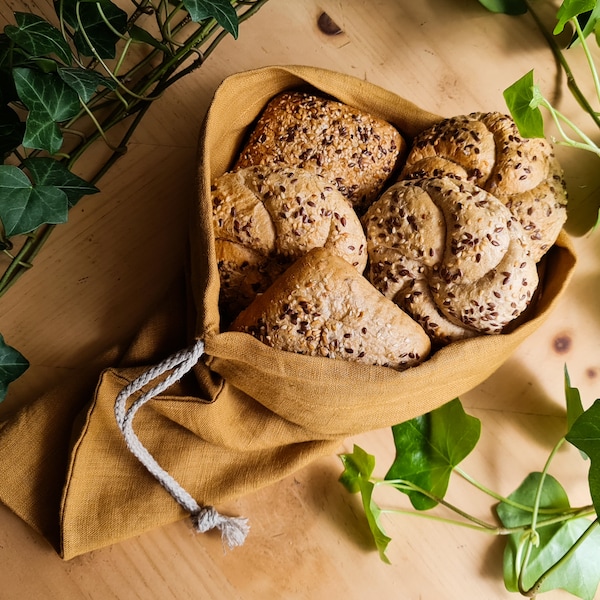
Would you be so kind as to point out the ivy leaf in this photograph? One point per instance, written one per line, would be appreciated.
(12, 365)
(91, 24)
(358, 465)
(508, 7)
(523, 98)
(141, 35)
(358, 468)
(38, 37)
(12, 130)
(49, 172)
(430, 446)
(373, 514)
(85, 82)
(570, 9)
(24, 206)
(573, 399)
(581, 573)
(220, 10)
(585, 435)
(49, 100)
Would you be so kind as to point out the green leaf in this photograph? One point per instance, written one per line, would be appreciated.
(358, 468)
(38, 37)
(522, 99)
(85, 82)
(91, 24)
(12, 130)
(508, 7)
(141, 35)
(220, 10)
(569, 9)
(50, 101)
(580, 574)
(429, 447)
(585, 435)
(12, 365)
(373, 514)
(49, 172)
(23, 206)
(573, 399)
(358, 465)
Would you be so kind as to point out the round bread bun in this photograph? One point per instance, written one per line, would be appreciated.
(265, 218)
(487, 150)
(451, 255)
(323, 307)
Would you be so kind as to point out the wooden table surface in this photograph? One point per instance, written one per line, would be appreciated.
(101, 273)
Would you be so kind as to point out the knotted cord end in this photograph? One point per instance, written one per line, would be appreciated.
(233, 529)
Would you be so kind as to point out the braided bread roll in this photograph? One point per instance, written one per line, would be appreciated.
(451, 255)
(487, 149)
(265, 218)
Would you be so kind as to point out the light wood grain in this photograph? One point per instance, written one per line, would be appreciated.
(100, 274)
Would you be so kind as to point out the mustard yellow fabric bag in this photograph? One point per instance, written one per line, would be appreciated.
(245, 415)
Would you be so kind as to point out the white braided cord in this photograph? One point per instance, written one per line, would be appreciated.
(204, 518)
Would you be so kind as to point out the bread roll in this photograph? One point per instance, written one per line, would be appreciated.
(354, 150)
(265, 218)
(487, 149)
(451, 255)
(321, 306)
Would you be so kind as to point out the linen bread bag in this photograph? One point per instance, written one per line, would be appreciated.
(246, 414)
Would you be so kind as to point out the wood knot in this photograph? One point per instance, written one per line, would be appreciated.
(327, 25)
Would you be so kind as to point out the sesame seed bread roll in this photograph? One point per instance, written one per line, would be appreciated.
(451, 255)
(265, 218)
(487, 149)
(321, 306)
(354, 150)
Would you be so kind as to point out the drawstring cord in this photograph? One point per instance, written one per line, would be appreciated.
(204, 518)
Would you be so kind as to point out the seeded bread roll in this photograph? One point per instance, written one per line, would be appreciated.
(487, 149)
(354, 150)
(451, 255)
(321, 306)
(265, 218)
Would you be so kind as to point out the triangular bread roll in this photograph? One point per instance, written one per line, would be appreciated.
(321, 306)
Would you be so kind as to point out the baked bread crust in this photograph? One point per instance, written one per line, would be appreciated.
(321, 306)
(354, 150)
(451, 255)
(265, 218)
(487, 149)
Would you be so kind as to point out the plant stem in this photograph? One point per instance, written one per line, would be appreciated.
(518, 505)
(529, 541)
(535, 588)
(558, 54)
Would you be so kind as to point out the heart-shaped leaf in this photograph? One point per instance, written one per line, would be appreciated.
(220, 10)
(50, 101)
(38, 37)
(96, 25)
(85, 82)
(581, 573)
(429, 447)
(49, 172)
(24, 207)
(585, 435)
(520, 99)
(12, 365)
